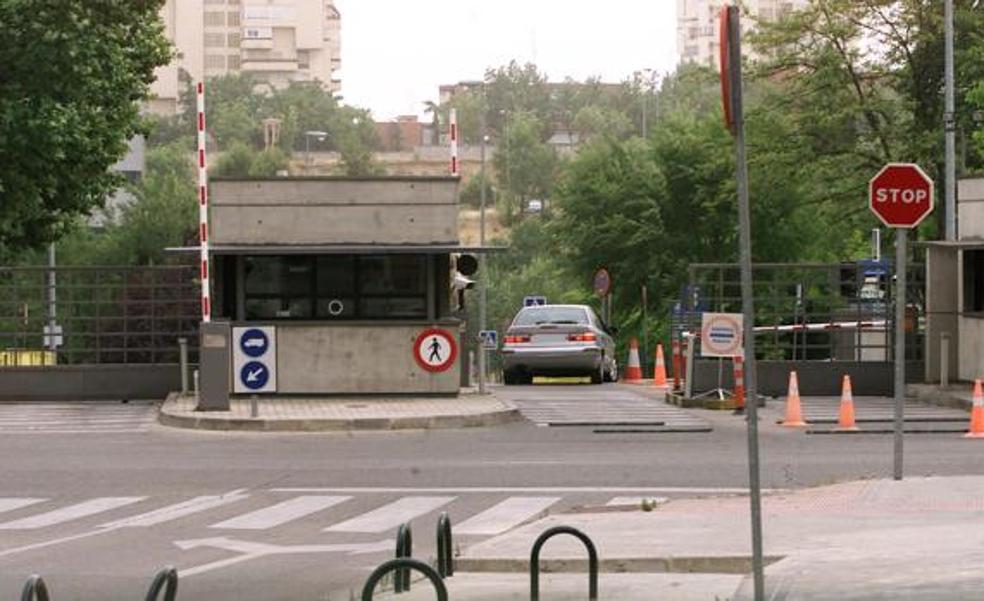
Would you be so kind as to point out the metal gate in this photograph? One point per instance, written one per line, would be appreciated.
(71, 333)
(821, 319)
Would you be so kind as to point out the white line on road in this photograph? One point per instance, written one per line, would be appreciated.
(694, 490)
(505, 515)
(281, 513)
(178, 510)
(12, 503)
(391, 515)
(72, 512)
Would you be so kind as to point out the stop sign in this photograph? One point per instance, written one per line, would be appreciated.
(901, 195)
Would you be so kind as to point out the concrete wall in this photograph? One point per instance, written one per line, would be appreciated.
(941, 309)
(335, 211)
(359, 358)
(970, 209)
(822, 378)
(971, 348)
(970, 226)
(90, 382)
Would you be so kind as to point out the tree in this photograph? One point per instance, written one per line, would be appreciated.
(525, 165)
(74, 73)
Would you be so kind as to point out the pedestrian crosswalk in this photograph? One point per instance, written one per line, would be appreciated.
(612, 410)
(76, 418)
(472, 514)
(820, 410)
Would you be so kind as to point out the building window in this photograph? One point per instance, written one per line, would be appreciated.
(233, 40)
(214, 40)
(215, 61)
(214, 1)
(973, 281)
(234, 18)
(233, 62)
(336, 287)
(214, 19)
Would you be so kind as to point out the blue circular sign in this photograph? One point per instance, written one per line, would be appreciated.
(254, 375)
(254, 342)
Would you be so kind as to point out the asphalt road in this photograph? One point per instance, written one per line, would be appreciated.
(98, 502)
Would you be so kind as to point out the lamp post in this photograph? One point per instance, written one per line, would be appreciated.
(320, 135)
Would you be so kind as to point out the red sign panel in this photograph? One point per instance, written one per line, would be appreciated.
(901, 195)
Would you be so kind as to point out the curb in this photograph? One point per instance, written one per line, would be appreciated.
(213, 422)
(637, 565)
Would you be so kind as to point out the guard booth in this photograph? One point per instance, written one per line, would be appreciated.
(325, 286)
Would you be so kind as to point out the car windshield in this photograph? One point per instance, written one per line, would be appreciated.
(551, 315)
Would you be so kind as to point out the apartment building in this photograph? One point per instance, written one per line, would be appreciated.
(697, 25)
(277, 41)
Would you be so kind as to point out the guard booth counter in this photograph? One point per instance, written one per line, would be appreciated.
(325, 286)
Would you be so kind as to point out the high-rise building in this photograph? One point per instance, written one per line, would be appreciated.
(277, 41)
(697, 25)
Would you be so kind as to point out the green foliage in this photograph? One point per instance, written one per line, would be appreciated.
(245, 161)
(73, 74)
(595, 120)
(471, 192)
(525, 165)
(268, 162)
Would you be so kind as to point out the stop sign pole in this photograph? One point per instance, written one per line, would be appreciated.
(901, 195)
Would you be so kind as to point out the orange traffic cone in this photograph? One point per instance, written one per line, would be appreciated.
(794, 414)
(845, 421)
(633, 371)
(659, 375)
(977, 413)
(739, 371)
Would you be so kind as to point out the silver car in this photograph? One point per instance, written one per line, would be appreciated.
(558, 340)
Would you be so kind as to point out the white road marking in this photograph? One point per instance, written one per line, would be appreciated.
(281, 513)
(178, 510)
(251, 550)
(72, 512)
(695, 490)
(12, 503)
(505, 515)
(390, 516)
(637, 501)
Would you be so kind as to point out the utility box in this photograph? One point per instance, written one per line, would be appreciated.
(337, 285)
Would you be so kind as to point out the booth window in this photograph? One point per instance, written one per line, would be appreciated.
(336, 287)
(973, 279)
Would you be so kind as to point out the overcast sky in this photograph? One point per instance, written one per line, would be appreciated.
(395, 53)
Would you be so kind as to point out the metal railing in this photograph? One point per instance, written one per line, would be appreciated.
(535, 560)
(445, 551)
(404, 549)
(404, 564)
(97, 315)
(165, 581)
(789, 296)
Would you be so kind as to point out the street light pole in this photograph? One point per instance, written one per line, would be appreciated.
(482, 276)
(949, 125)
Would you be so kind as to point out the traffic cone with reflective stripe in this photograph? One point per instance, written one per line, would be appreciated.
(977, 413)
(659, 373)
(739, 371)
(845, 421)
(633, 370)
(794, 413)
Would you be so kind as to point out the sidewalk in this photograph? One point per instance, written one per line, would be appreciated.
(958, 396)
(922, 538)
(467, 410)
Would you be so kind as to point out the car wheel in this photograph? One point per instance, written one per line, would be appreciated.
(612, 374)
(598, 376)
(526, 379)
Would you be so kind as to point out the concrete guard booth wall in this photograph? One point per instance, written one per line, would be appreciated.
(349, 271)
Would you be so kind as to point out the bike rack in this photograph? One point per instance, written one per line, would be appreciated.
(404, 550)
(167, 581)
(407, 564)
(445, 550)
(535, 560)
(35, 589)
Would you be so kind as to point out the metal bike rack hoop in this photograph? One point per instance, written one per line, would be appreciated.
(404, 563)
(445, 548)
(535, 560)
(167, 581)
(35, 589)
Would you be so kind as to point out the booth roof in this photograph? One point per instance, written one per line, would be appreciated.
(339, 249)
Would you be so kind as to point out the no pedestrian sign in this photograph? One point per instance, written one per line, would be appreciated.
(721, 335)
(435, 350)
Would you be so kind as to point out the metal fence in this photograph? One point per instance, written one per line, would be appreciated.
(812, 311)
(97, 315)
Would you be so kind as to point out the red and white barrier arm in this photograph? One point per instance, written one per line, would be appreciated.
(203, 208)
(453, 138)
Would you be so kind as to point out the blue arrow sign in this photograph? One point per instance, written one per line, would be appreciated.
(254, 375)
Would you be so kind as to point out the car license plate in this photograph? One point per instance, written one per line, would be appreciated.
(549, 338)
